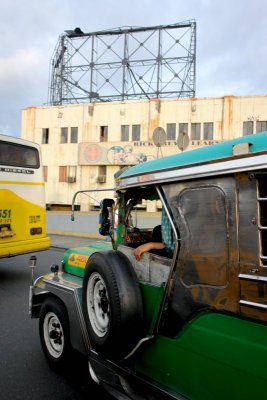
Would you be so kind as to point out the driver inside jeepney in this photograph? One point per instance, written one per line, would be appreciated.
(161, 239)
(155, 238)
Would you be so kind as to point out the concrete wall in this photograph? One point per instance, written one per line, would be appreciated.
(85, 224)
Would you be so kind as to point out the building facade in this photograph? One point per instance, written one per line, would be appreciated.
(84, 145)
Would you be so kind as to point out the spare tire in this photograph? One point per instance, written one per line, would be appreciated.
(112, 304)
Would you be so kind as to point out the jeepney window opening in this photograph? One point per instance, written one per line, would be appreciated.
(134, 200)
(262, 217)
(144, 226)
(139, 223)
(136, 218)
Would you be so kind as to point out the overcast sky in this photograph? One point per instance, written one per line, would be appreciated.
(231, 53)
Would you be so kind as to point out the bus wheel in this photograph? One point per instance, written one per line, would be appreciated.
(112, 304)
(54, 332)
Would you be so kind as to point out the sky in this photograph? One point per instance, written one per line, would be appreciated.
(231, 49)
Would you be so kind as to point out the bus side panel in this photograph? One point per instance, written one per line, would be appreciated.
(216, 356)
(22, 223)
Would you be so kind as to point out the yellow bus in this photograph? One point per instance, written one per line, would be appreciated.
(22, 198)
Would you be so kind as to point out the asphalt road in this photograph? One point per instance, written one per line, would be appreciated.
(24, 371)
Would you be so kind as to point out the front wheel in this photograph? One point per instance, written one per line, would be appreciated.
(54, 332)
(112, 304)
(98, 305)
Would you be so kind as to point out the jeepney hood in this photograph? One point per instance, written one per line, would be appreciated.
(75, 258)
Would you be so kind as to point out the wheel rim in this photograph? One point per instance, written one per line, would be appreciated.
(98, 304)
(53, 335)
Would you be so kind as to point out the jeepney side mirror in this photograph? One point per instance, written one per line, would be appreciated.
(106, 216)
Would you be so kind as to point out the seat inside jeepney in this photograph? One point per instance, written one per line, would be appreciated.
(152, 268)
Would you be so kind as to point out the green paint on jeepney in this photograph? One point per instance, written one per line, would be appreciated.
(203, 155)
(215, 356)
(152, 297)
(75, 259)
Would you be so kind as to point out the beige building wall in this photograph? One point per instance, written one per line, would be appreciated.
(92, 159)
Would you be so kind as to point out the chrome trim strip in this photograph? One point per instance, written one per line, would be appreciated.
(31, 292)
(253, 277)
(59, 285)
(37, 280)
(82, 322)
(253, 304)
(145, 339)
(208, 169)
(262, 228)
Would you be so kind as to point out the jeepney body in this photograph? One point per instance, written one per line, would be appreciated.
(205, 306)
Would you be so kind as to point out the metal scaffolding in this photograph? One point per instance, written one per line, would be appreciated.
(124, 64)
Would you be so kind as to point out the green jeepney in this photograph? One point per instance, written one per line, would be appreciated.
(188, 321)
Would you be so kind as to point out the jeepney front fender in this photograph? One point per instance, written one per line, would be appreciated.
(68, 290)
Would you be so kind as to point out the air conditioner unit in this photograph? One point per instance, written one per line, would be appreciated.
(71, 179)
(101, 179)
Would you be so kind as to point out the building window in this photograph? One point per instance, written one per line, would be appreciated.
(125, 133)
(74, 135)
(67, 173)
(183, 128)
(103, 133)
(71, 173)
(45, 172)
(64, 135)
(171, 131)
(102, 174)
(247, 128)
(261, 126)
(136, 129)
(208, 130)
(45, 135)
(62, 173)
(195, 131)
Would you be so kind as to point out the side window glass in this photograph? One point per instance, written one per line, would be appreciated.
(204, 211)
(201, 215)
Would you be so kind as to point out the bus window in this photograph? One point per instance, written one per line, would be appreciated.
(14, 154)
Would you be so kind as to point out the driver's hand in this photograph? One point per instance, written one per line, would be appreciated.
(141, 249)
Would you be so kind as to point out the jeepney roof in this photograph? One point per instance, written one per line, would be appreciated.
(209, 160)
